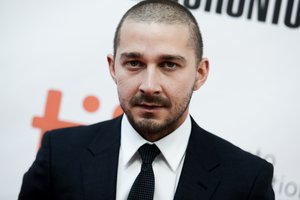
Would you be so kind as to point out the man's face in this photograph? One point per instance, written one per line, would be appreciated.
(155, 70)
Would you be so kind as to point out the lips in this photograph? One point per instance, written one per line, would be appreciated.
(150, 102)
(150, 106)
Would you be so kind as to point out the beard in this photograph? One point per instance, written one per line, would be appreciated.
(147, 125)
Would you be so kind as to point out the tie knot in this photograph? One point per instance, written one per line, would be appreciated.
(148, 152)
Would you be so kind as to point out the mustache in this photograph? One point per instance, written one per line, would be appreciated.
(156, 100)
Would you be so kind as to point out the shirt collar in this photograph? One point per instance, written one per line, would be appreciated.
(172, 147)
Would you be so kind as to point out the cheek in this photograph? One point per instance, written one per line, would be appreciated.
(127, 87)
(181, 94)
(178, 92)
(183, 85)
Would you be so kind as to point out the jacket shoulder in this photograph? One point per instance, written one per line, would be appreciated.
(82, 135)
(228, 153)
(242, 174)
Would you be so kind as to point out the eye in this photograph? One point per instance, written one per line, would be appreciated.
(169, 65)
(134, 64)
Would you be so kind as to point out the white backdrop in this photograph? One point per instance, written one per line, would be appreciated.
(52, 48)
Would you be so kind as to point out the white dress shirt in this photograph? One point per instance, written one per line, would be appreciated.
(167, 165)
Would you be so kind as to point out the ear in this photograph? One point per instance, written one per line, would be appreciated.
(202, 73)
(111, 65)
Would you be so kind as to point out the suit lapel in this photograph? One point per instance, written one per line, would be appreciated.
(99, 163)
(201, 170)
(200, 176)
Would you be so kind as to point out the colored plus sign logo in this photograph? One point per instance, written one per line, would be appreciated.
(50, 120)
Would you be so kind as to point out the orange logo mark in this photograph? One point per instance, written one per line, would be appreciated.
(91, 104)
(51, 120)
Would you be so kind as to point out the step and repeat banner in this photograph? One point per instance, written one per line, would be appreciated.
(53, 73)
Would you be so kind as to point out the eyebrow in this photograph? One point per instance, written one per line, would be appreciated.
(130, 55)
(168, 57)
(173, 58)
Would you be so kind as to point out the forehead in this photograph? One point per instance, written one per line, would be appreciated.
(154, 37)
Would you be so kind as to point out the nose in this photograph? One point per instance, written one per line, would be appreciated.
(150, 83)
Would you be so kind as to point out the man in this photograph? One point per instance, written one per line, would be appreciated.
(156, 65)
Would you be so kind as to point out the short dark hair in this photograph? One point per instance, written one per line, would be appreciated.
(163, 11)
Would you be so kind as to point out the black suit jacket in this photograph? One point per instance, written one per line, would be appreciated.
(81, 163)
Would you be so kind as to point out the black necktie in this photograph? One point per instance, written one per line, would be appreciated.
(143, 186)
